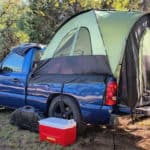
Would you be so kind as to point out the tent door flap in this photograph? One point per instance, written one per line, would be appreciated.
(145, 67)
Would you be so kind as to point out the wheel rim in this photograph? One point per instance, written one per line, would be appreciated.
(62, 110)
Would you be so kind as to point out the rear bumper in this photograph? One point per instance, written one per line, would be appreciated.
(95, 114)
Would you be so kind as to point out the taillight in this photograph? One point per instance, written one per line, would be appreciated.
(111, 92)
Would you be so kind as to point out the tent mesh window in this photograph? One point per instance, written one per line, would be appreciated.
(65, 45)
(83, 44)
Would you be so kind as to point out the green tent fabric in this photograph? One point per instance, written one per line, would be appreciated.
(109, 31)
(115, 27)
(116, 43)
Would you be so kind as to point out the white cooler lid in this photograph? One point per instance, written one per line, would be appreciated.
(58, 123)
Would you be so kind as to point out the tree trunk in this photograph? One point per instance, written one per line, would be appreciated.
(145, 5)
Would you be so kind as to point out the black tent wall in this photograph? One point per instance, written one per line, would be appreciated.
(72, 69)
(129, 84)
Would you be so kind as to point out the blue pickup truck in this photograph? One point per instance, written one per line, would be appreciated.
(90, 100)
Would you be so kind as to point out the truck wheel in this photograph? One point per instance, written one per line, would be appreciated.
(65, 107)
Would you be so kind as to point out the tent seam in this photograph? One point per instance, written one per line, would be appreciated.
(102, 39)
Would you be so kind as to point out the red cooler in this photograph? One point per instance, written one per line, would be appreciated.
(56, 130)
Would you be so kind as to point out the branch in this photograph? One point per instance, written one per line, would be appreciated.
(4, 12)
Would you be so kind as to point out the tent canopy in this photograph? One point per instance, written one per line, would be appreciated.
(116, 37)
(108, 31)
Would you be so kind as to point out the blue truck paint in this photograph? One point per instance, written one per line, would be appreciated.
(95, 114)
(13, 84)
(15, 92)
(90, 97)
(38, 94)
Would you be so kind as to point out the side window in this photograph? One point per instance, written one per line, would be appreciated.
(65, 46)
(38, 55)
(13, 63)
(37, 58)
(83, 44)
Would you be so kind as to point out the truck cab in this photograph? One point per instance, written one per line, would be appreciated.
(14, 73)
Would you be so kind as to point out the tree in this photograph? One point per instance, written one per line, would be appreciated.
(45, 16)
(145, 4)
(10, 34)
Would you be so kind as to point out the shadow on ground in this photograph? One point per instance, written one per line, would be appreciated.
(124, 137)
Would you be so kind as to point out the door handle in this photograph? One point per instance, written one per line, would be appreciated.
(16, 80)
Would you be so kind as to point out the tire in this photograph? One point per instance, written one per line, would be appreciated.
(65, 107)
(28, 108)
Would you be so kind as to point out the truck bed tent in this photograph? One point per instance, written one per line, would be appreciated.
(118, 40)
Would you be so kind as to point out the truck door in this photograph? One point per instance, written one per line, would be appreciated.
(12, 81)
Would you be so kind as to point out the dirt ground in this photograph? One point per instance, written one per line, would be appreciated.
(125, 137)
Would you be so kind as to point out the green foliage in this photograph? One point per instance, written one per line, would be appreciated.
(37, 22)
(45, 16)
(10, 34)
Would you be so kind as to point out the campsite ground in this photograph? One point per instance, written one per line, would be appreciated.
(126, 137)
